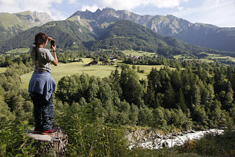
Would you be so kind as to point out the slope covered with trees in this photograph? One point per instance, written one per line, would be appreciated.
(12, 24)
(204, 35)
(122, 35)
(127, 35)
(201, 96)
(66, 33)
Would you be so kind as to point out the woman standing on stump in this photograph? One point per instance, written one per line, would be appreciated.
(42, 85)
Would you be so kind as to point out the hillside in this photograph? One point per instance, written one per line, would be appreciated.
(204, 35)
(12, 24)
(122, 35)
(66, 33)
(127, 35)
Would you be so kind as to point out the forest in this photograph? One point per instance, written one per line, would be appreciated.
(184, 95)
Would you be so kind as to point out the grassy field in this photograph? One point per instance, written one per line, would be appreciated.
(137, 53)
(2, 69)
(18, 51)
(209, 59)
(77, 67)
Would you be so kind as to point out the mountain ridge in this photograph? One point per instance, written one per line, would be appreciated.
(127, 35)
(12, 24)
(122, 35)
(205, 35)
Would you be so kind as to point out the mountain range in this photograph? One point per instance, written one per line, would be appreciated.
(204, 35)
(12, 24)
(102, 29)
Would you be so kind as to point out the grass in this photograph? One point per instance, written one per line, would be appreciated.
(209, 59)
(18, 51)
(137, 53)
(2, 69)
(147, 69)
(9, 20)
(78, 67)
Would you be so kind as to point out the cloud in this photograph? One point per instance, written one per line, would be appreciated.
(72, 1)
(92, 8)
(217, 12)
(132, 4)
(9, 6)
(14, 6)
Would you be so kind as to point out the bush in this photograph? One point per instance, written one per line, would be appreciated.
(88, 137)
(13, 140)
(211, 145)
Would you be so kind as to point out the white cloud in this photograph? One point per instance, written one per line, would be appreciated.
(14, 6)
(9, 6)
(180, 8)
(72, 1)
(131, 4)
(92, 8)
(219, 12)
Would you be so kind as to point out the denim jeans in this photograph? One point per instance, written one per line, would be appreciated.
(42, 111)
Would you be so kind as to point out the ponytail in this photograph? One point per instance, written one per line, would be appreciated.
(40, 39)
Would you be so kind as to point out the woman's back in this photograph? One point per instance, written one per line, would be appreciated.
(44, 58)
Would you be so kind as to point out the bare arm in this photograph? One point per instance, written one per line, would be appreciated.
(55, 61)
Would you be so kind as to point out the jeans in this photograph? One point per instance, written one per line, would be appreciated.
(42, 111)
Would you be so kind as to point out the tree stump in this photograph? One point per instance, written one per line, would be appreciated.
(50, 144)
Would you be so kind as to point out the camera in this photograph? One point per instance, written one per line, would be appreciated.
(52, 43)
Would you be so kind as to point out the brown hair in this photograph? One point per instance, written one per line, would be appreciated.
(40, 38)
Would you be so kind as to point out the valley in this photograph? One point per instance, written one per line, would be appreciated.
(121, 73)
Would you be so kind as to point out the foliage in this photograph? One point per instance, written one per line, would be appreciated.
(211, 145)
(193, 95)
(13, 141)
(87, 137)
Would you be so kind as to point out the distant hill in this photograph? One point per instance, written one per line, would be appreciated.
(204, 35)
(12, 24)
(67, 34)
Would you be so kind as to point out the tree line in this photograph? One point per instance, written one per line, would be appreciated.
(200, 95)
(190, 95)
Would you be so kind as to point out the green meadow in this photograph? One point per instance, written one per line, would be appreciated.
(137, 53)
(2, 70)
(209, 58)
(78, 68)
(18, 51)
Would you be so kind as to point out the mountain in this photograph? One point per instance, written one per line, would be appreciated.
(67, 34)
(122, 35)
(127, 35)
(204, 35)
(12, 24)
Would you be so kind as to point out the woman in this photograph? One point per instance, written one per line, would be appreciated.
(42, 85)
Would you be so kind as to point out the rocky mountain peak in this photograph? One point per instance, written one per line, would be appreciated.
(34, 18)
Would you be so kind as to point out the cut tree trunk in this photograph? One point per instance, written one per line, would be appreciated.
(50, 144)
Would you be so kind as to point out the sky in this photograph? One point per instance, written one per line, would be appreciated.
(217, 12)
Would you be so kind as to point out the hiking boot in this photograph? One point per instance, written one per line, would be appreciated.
(44, 132)
(37, 131)
(52, 131)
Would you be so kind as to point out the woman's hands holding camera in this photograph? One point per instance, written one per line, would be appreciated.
(52, 41)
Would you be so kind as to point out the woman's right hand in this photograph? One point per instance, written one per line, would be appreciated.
(53, 48)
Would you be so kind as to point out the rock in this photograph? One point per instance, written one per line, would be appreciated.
(180, 134)
(192, 131)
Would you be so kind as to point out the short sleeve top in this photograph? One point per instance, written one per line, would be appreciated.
(44, 59)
